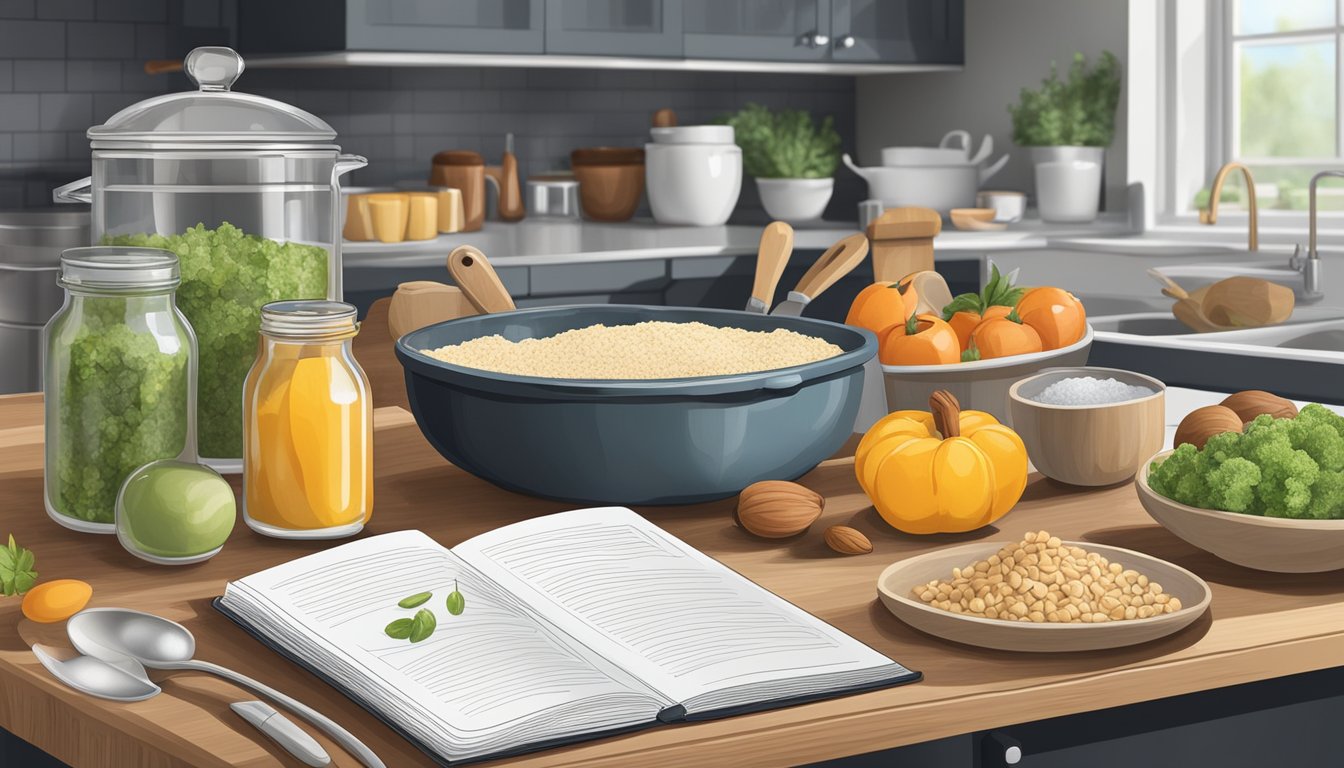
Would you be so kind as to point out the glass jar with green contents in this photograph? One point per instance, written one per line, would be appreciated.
(245, 190)
(118, 379)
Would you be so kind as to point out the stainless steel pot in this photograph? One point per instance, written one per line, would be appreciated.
(30, 252)
(554, 196)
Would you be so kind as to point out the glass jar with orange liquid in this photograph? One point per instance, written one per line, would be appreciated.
(307, 425)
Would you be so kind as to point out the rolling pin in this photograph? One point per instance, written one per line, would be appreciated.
(902, 240)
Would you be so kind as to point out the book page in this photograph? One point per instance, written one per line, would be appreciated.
(669, 614)
(482, 676)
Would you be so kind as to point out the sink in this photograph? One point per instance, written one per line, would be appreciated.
(1163, 323)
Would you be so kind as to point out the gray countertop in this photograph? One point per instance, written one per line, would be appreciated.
(547, 242)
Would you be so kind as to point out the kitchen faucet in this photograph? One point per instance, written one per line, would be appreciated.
(1310, 266)
(1209, 215)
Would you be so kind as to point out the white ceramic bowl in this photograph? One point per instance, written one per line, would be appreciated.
(1278, 544)
(1089, 445)
(982, 385)
(895, 583)
(795, 200)
(694, 184)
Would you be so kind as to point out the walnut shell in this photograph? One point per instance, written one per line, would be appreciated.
(776, 509)
(1202, 423)
(1250, 403)
(847, 541)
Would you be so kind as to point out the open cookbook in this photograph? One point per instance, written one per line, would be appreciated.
(575, 625)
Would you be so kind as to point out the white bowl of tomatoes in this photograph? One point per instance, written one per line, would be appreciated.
(975, 346)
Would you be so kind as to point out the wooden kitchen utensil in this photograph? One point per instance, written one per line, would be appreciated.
(1248, 302)
(477, 278)
(838, 260)
(1191, 313)
(771, 257)
(902, 240)
(505, 176)
(424, 302)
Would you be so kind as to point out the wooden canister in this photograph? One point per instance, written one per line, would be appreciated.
(464, 170)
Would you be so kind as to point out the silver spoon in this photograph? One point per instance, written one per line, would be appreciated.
(96, 677)
(125, 680)
(114, 633)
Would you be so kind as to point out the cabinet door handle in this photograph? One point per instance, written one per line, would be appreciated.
(846, 41)
(814, 39)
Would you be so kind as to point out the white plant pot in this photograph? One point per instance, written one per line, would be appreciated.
(695, 184)
(1068, 183)
(795, 200)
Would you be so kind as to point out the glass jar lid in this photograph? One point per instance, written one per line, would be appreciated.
(212, 115)
(309, 319)
(118, 269)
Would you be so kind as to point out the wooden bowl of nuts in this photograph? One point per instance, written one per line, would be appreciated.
(1043, 595)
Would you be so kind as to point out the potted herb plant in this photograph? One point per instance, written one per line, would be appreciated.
(1068, 123)
(792, 158)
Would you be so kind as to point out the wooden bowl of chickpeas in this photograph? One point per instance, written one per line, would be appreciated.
(1043, 595)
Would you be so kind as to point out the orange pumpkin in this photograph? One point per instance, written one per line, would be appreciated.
(1004, 337)
(920, 340)
(966, 320)
(1056, 315)
(881, 305)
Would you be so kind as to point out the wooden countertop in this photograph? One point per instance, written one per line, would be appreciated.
(1260, 626)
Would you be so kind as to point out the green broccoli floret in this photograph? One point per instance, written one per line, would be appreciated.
(1277, 467)
(1232, 485)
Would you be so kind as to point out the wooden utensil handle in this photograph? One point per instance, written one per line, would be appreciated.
(162, 66)
(838, 260)
(478, 280)
(419, 303)
(771, 258)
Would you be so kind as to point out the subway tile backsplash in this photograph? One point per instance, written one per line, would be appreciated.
(67, 64)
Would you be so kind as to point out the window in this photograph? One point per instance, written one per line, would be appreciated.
(1280, 62)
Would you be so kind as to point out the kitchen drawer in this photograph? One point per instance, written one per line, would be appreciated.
(598, 278)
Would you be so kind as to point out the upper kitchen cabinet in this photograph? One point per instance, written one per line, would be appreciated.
(614, 27)
(459, 26)
(898, 31)
(768, 30)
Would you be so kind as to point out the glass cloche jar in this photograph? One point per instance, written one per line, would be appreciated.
(246, 191)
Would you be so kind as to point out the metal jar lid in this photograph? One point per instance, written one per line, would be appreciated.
(119, 270)
(212, 116)
(309, 319)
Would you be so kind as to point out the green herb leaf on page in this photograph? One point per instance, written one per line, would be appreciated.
(399, 629)
(419, 598)
(16, 569)
(423, 625)
(456, 602)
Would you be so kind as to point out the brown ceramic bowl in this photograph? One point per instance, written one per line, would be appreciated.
(611, 181)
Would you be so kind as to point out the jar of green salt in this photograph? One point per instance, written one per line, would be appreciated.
(118, 379)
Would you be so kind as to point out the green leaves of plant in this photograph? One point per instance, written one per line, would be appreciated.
(998, 292)
(423, 625)
(16, 569)
(419, 598)
(785, 144)
(1077, 111)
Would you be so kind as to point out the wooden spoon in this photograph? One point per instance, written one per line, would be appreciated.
(1189, 312)
(423, 302)
(479, 281)
(771, 258)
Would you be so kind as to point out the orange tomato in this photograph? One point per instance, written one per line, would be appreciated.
(1005, 336)
(1056, 315)
(965, 321)
(921, 340)
(881, 305)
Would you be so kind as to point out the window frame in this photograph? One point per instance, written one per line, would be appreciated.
(1182, 114)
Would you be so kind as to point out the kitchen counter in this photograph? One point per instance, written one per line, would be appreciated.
(549, 242)
(1261, 625)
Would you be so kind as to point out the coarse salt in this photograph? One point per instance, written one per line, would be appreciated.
(1087, 390)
